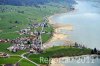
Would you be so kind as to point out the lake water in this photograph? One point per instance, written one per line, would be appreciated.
(82, 60)
(86, 22)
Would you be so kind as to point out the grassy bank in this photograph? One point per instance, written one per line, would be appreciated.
(60, 51)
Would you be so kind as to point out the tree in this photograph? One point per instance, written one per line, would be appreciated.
(95, 50)
(28, 42)
(76, 44)
(92, 51)
(16, 22)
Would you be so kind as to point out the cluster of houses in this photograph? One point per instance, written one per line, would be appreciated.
(33, 26)
(4, 40)
(32, 42)
(36, 25)
(25, 31)
(3, 55)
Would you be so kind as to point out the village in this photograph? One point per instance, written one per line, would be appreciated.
(32, 42)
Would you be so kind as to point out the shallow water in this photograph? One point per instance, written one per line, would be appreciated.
(84, 61)
(86, 22)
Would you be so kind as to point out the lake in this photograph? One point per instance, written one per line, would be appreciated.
(86, 22)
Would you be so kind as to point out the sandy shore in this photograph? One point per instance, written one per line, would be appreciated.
(58, 35)
(55, 62)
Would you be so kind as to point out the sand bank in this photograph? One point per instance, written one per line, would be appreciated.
(58, 35)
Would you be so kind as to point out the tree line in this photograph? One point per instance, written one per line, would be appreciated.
(32, 2)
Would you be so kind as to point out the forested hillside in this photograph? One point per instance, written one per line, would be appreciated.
(31, 2)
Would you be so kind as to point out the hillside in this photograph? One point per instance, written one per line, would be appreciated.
(31, 2)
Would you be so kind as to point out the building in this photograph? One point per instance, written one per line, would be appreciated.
(98, 52)
(3, 55)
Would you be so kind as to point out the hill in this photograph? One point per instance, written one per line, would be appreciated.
(31, 2)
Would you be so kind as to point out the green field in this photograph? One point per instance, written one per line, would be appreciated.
(13, 60)
(59, 51)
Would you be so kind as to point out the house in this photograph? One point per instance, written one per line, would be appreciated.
(24, 31)
(13, 49)
(32, 50)
(44, 24)
(3, 55)
(24, 43)
(36, 25)
(4, 40)
(37, 33)
(98, 53)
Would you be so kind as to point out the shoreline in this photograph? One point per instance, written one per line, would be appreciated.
(56, 61)
(57, 34)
